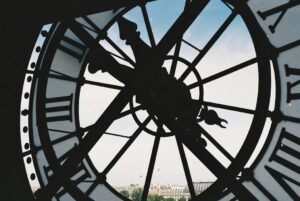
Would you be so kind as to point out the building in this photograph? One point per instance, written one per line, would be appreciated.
(169, 191)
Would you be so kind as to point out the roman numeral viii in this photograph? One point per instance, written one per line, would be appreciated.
(290, 159)
(59, 108)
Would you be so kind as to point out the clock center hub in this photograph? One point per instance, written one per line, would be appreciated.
(174, 96)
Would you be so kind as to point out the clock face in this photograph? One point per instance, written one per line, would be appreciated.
(115, 98)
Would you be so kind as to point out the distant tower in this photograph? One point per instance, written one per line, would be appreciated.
(158, 184)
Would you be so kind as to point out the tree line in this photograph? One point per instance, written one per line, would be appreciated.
(137, 194)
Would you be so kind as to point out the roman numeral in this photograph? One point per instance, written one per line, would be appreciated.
(282, 9)
(281, 176)
(290, 95)
(60, 160)
(72, 47)
(291, 71)
(284, 147)
(59, 108)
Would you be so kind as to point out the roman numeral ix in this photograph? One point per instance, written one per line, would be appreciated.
(282, 9)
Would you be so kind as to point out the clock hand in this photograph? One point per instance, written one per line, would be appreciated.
(66, 171)
(152, 58)
(141, 51)
(183, 22)
(147, 58)
(146, 62)
(99, 58)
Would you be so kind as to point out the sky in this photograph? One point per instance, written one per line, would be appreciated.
(237, 89)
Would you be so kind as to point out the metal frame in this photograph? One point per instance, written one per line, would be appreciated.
(260, 39)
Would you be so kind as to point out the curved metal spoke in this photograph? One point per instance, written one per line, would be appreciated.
(183, 22)
(125, 147)
(228, 107)
(224, 73)
(101, 84)
(235, 109)
(120, 51)
(127, 112)
(227, 3)
(209, 44)
(216, 144)
(58, 75)
(108, 39)
(102, 60)
(191, 45)
(116, 135)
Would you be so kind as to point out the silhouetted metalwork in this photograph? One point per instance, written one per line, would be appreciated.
(167, 99)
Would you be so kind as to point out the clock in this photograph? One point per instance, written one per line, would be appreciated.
(102, 90)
